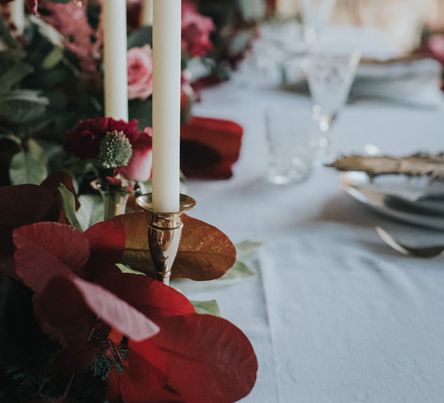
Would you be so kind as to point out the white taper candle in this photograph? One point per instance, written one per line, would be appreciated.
(115, 59)
(166, 104)
(147, 12)
(17, 11)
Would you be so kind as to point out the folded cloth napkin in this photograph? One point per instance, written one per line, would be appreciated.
(409, 81)
(210, 147)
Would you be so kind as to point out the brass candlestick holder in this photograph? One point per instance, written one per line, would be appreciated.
(164, 234)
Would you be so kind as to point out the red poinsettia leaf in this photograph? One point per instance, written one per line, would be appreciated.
(205, 253)
(144, 377)
(74, 358)
(116, 312)
(107, 240)
(45, 250)
(113, 387)
(151, 297)
(209, 359)
(22, 205)
(63, 314)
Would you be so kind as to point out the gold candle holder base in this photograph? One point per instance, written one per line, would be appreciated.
(164, 234)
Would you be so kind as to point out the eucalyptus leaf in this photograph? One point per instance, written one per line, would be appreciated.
(247, 249)
(22, 107)
(29, 165)
(69, 206)
(239, 271)
(54, 57)
(128, 270)
(91, 210)
(13, 76)
(207, 308)
(47, 31)
(142, 111)
(142, 36)
(252, 10)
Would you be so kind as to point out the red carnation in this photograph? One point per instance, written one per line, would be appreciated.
(85, 139)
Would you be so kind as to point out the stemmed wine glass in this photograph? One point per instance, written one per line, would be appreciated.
(330, 76)
(315, 17)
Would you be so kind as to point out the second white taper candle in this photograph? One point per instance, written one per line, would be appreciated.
(166, 104)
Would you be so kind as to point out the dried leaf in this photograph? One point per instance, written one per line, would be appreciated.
(205, 253)
(413, 165)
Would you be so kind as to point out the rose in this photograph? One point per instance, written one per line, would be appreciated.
(139, 167)
(196, 30)
(140, 73)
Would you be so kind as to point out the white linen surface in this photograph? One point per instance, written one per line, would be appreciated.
(334, 314)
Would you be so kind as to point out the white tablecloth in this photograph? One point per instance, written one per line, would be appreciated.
(334, 315)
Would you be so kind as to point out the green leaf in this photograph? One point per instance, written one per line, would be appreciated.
(207, 308)
(142, 36)
(238, 271)
(142, 111)
(52, 59)
(128, 270)
(29, 166)
(13, 76)
(22, 107)
(247, 249)
(252, 10)
(69, 206)
(47, 31)
(91, 210)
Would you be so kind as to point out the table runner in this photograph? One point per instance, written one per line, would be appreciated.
(334, 315)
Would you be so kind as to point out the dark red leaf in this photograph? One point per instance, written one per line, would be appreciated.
(20, 335)
(74, 358)
(209, 359)
(115, 312)
(151, 297)
(22, 205)
(63, 314)
(107, 240)
(46, 250)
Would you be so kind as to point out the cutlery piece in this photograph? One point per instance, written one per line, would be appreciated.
(427, 252)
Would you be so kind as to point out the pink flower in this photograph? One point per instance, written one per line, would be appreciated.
(435, 46)
(79, 37)
(139, 167)
(196, 30)
(140, 72)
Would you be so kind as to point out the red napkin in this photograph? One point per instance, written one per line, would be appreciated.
(210, 148)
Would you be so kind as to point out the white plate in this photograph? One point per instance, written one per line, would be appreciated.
(359, 187)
